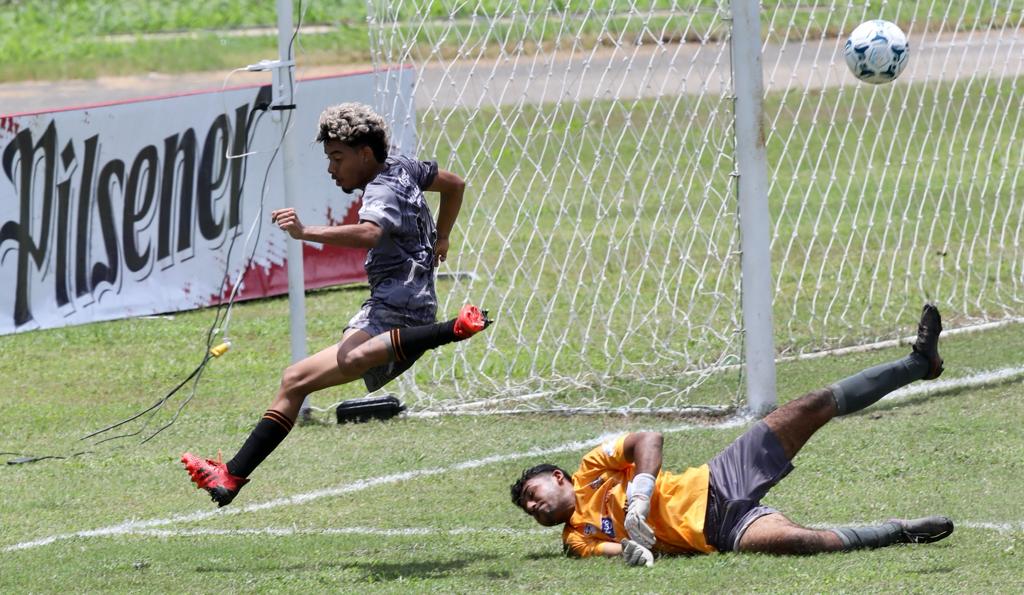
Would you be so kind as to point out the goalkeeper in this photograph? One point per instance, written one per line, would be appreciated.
(396, 325)
(620, 502)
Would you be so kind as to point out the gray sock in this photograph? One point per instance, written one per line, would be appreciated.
(876, 536)
(864, 388)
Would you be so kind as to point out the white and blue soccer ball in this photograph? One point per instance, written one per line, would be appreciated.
(877, 52)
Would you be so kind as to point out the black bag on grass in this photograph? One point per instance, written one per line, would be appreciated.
(367, 408)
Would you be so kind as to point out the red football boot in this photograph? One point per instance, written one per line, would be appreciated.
(470, 321)
(213, 477)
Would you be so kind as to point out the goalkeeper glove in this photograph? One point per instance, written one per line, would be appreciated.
(639, 493)
(635, 554)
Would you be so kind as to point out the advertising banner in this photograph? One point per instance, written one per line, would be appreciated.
(158, 205)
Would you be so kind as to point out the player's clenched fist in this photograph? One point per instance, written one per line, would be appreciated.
(288, 220)
(440, 251)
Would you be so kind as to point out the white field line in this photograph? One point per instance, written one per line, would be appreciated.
(136, 525)
(1007, 527)
(700, 410)
(935, 386)
(362, 531)
(1010, 527)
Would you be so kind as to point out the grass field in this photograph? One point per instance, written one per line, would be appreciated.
(421, 503)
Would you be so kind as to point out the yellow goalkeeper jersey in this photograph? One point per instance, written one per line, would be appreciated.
(677, 505)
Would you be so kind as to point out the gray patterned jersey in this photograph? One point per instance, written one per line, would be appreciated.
(401, 267)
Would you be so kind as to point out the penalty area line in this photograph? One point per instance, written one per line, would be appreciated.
(939, 386)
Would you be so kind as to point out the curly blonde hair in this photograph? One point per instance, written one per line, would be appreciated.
(356, 125)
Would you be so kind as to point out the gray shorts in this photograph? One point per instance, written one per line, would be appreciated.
(740, 476)
(374, 319)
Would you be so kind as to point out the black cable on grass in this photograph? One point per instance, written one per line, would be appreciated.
(196, 374)
(26, 458)
(195, 385)
(152, 408)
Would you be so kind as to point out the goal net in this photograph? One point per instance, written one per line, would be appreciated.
(601, 226)
(883, 196)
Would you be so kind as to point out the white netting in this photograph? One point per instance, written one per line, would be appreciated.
(883, 196)
(600, 223)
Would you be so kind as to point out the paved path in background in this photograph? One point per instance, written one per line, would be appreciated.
(624, 72)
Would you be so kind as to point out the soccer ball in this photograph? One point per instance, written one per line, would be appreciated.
(876, 52)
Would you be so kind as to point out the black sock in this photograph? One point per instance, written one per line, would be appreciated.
(864, 388)
(414, 340)
(265, 437)
(856, 538)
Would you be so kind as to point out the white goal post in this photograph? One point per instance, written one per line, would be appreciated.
(606, 145)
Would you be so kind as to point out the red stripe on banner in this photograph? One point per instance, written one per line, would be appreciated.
(330, 265)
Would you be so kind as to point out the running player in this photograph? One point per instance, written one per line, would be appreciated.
(396, 325)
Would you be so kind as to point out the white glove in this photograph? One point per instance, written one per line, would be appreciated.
(635, 554)
(636, 521)
(639, 493)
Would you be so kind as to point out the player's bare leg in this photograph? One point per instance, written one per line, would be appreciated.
(775, 534)
(338, 364)
(358, 352)
(795, 422)
(354, 356)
